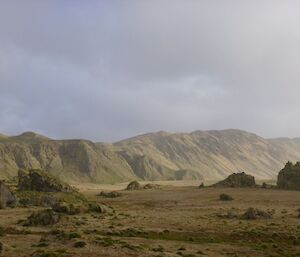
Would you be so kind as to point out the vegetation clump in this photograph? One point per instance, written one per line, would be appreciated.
(289, 177)
(99, 208)
(7, 198)
(152, 186)
(237, 180)
(253, 213)
(225, 197)
(43, 218)
(79, 244)
(134, 185)
(231, 214)
(63, 207)
(112, 194)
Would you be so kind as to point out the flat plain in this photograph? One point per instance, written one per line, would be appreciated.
(171, 221)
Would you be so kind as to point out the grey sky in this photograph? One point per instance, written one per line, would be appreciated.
(107, 70)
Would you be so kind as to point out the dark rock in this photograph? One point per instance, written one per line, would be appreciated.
(237, 180)
(37, 180)
(42, 218)
(225, 197)
(7, 198)
(253, 213)
(134, 185)
(201, 185)
(289, 177)
(112, 194)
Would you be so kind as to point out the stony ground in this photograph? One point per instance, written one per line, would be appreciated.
(173, 221)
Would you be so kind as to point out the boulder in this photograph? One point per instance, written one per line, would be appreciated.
(134, 185)
(237, 180)
(289, 177)
(7, 198)
(37, 180)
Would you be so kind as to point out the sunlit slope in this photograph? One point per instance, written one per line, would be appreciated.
(71, 160)
(212, 154)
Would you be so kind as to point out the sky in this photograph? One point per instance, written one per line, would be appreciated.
(108, 70)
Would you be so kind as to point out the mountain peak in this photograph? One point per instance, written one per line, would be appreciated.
(30, 135)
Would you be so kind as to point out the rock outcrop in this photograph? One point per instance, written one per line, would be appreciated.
(289, 177)
(237, 180)
(7, 198)
(37, 180)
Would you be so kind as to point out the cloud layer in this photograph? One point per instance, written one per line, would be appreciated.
(106, 70)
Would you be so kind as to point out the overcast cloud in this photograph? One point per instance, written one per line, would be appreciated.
(107, 70)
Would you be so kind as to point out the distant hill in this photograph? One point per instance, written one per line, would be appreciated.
(210, 155)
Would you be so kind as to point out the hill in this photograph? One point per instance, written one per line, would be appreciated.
(70, 160)
(211, 155)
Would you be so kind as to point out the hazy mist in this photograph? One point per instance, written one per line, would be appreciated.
(106, 70)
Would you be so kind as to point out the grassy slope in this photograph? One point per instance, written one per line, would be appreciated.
(214, 154)
(71, 160)
(154, 156)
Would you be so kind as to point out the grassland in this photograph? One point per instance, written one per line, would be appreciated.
(172, 221)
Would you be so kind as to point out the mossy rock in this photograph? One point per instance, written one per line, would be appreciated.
(225, 197)
(99, 208)
(66, 208)
(134, 185)
(289, 177)
(42, 218)
(79, 244)
(237, 180)
(112, 194)
(254, 213)
(38, 180)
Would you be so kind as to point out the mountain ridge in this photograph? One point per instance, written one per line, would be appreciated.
(211, 154)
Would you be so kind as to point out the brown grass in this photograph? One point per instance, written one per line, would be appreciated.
(173, 221)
